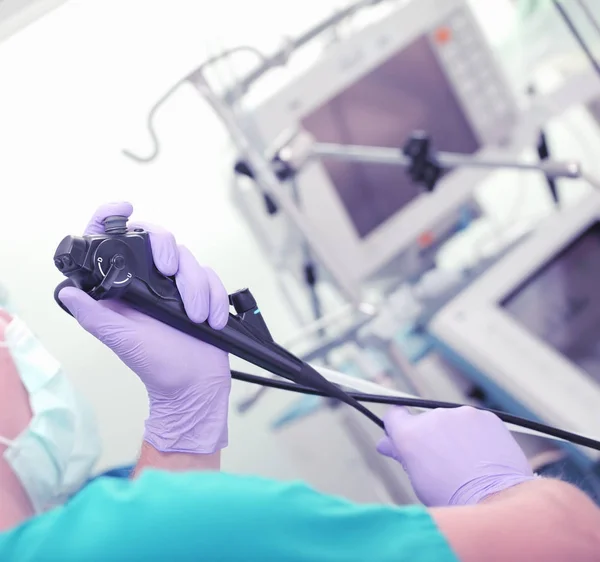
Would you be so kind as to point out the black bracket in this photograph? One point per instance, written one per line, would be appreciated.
(424, 168)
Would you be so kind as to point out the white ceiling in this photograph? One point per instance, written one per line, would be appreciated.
(16, 14)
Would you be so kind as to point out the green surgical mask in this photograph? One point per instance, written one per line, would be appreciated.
(54, 456)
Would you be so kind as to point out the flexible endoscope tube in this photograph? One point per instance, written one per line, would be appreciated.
(236, 339)
(569, 436)
(132, 279)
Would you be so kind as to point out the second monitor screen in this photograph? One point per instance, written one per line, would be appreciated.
(560, 304)
(406, 93)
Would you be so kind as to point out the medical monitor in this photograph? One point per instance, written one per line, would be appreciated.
(530, 326)
(407, 92)
(425, 65)
(560, 303)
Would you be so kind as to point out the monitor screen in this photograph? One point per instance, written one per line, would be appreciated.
(408, 92)
(560, 304)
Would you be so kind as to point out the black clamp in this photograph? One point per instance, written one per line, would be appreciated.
(283, 171)
(424, 168)
(543, 151)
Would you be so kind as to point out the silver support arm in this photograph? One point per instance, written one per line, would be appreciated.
(346, 312)
(446, 160)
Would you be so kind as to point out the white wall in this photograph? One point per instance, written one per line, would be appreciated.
(74, 90)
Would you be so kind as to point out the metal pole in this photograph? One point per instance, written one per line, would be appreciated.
(266, 178)
(281, 56)
(589, 14)
(346, 311)
(446, 160)
(577, 36)
(326, 346)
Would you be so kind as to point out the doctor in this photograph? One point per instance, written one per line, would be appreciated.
(481, 500)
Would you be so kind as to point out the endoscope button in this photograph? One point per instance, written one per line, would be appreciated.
(67, 261)
(242, 301)
(138, 230)
(118, 261)
(59, 264)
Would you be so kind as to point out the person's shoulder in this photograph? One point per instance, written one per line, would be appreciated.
(156, 486)
(145, 518)
(217, 481)
(163, 515)
(218, 486)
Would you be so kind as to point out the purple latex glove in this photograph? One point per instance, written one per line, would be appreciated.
(188, 381)
(454, 457)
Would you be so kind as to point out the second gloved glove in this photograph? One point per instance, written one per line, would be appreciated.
(188, 381)
(454, 457)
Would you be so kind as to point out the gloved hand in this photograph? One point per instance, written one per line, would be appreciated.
(188, 381)
(454, 457)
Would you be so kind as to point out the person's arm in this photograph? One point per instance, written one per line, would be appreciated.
(15, 506)
(15, 415)
(188, 381)
(194, 516)
(175, 462)
(542, 519)
(465, 465)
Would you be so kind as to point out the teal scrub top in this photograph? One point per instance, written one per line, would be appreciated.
(216, 517)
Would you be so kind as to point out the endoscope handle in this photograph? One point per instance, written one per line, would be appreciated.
(120, 266)
(234, 338)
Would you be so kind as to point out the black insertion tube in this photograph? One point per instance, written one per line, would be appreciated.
(236, 339)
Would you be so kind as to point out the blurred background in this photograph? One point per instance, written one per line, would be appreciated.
(397, 259)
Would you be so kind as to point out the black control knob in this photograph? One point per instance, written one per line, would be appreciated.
(242, 301)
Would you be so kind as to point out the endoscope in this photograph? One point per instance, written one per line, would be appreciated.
(118, 264)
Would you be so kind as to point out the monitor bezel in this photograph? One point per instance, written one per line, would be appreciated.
(477, 328)
(361, 258)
